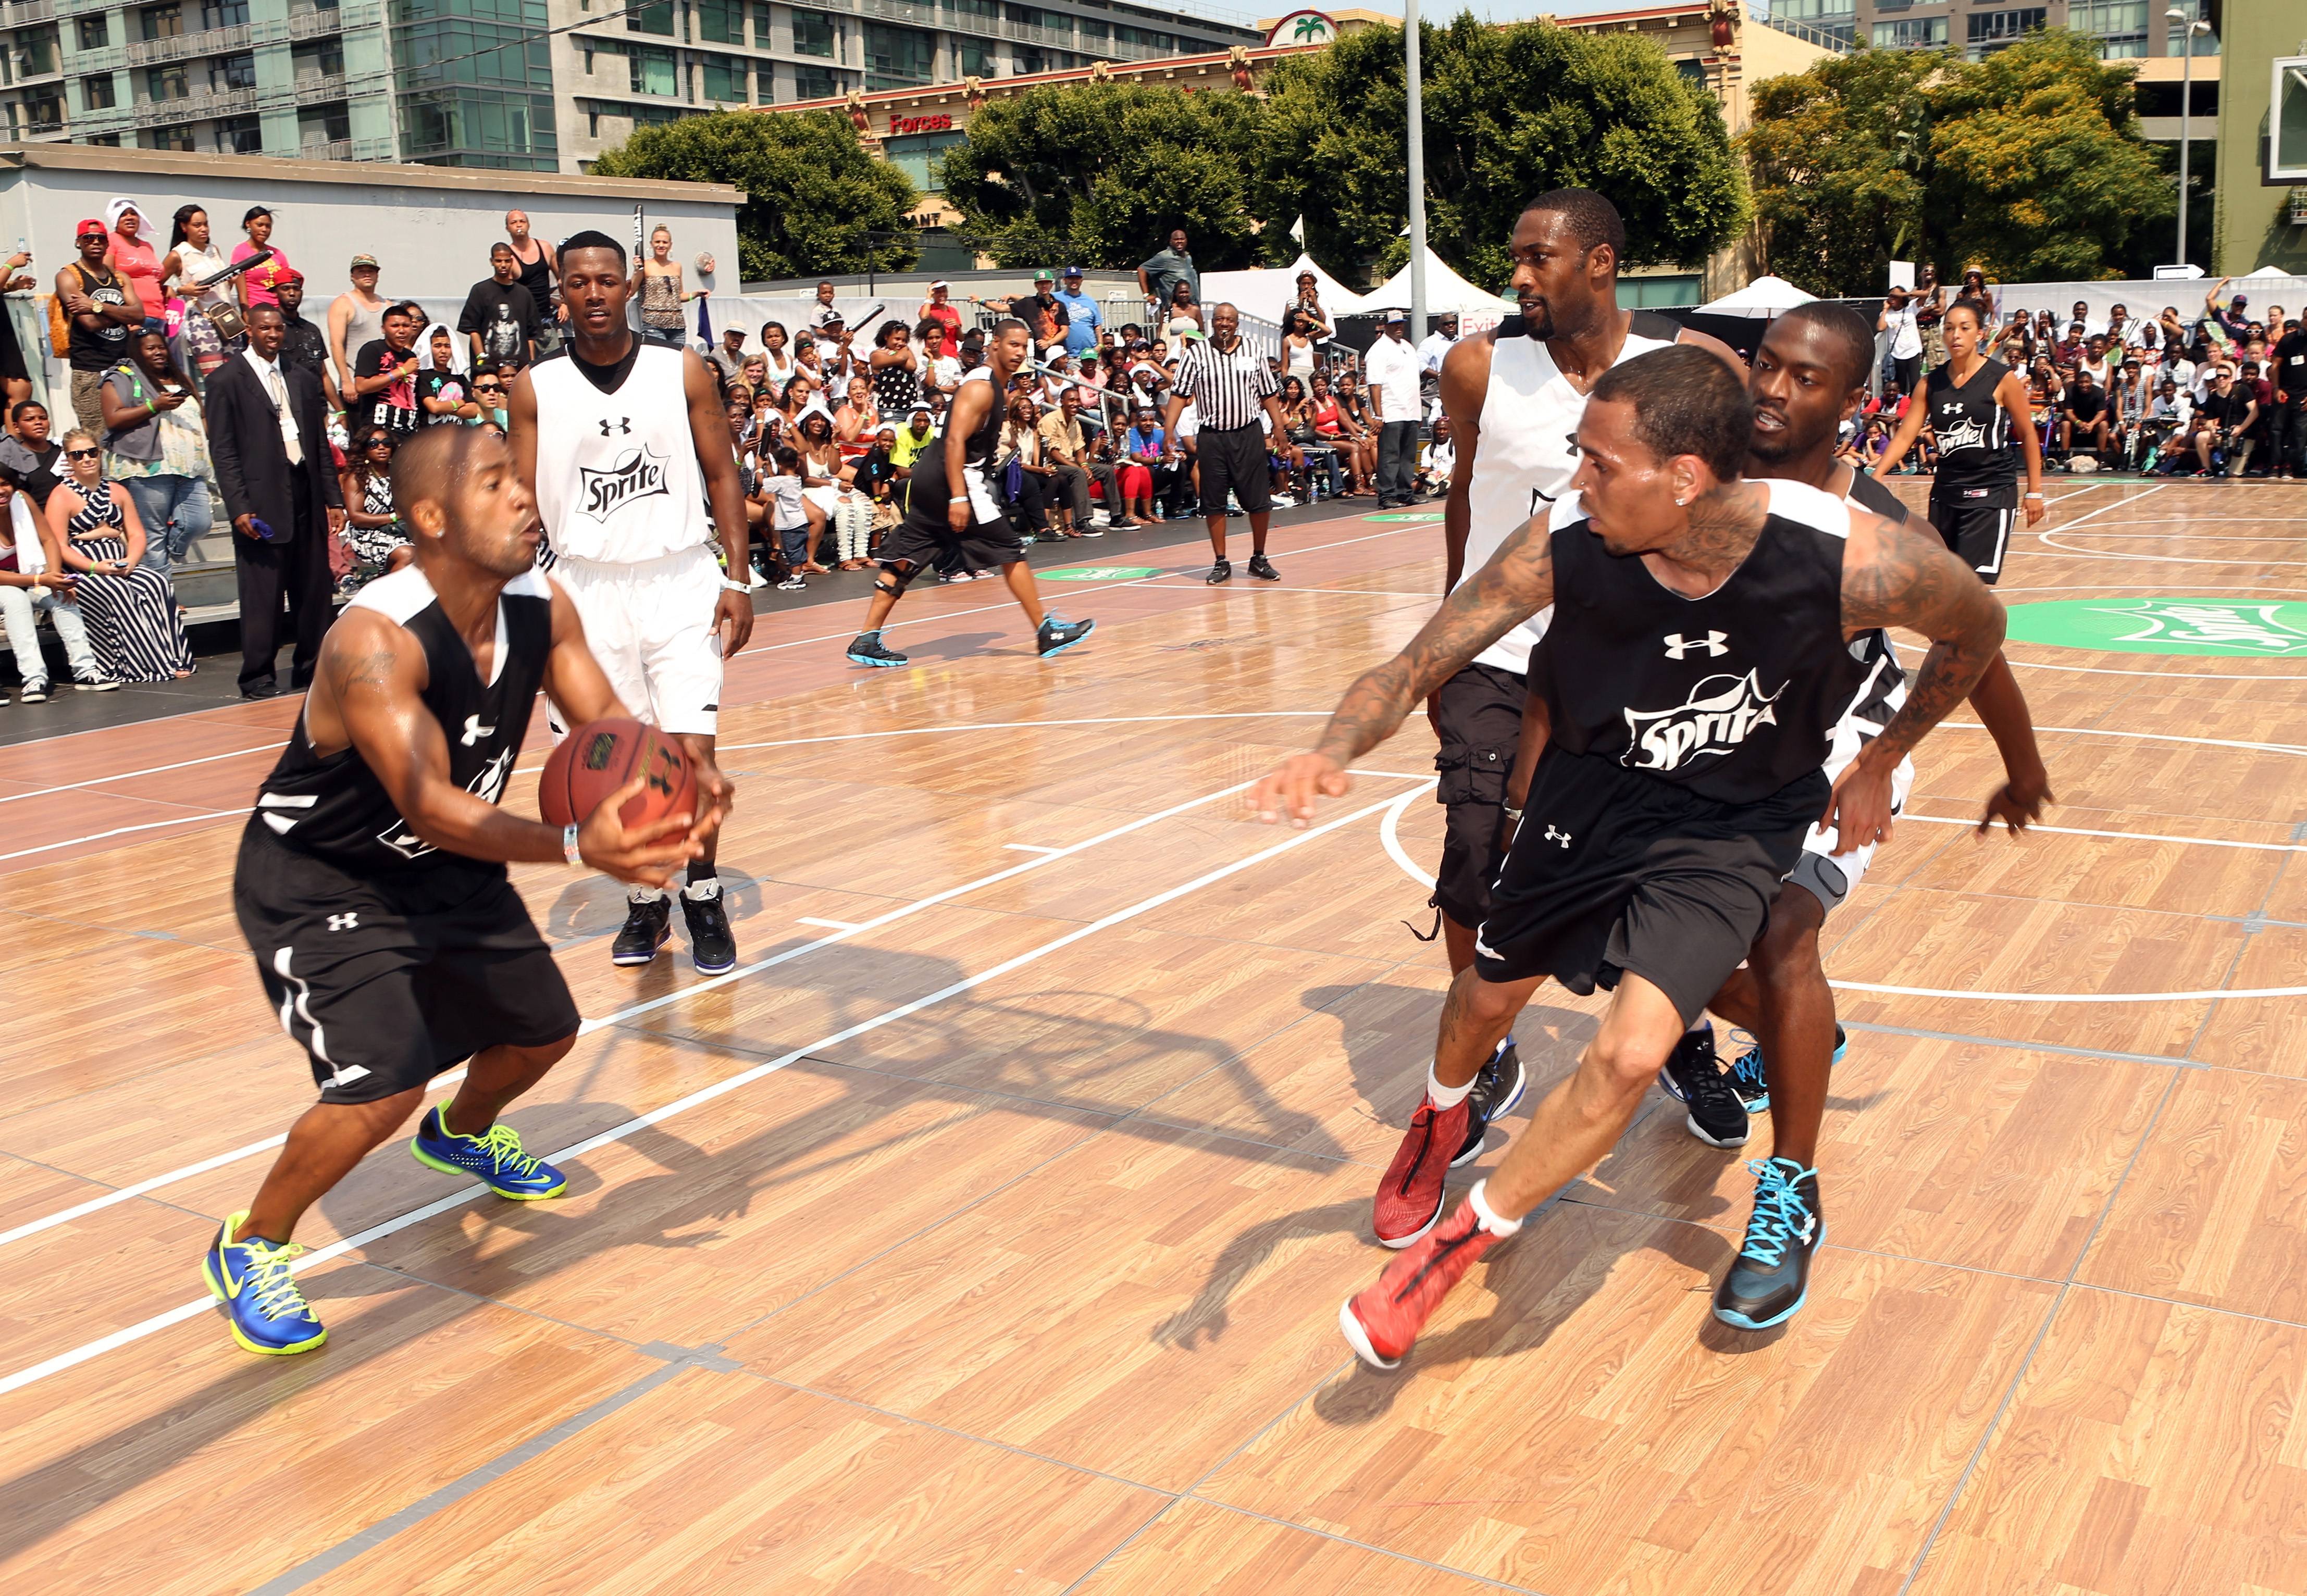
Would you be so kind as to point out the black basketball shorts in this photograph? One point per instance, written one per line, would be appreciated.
(386, 980)
(924, 535)
(1235, 457)
(1615, 870)
(1976, 523)
(1477, 720)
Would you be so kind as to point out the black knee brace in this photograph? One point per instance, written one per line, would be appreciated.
(894, 579)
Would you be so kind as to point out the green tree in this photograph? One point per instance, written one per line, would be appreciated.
(1509, 112)
(812, 191)
(1097, 174)
(2028, 164)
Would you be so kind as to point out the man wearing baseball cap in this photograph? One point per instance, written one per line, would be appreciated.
(356, 319)
(104, 310)
(1044, 315)
(1082, 318)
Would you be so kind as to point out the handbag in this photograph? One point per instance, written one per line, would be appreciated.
(226, 319)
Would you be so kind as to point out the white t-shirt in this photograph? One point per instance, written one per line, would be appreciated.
(1906, 337)
(1393, 370)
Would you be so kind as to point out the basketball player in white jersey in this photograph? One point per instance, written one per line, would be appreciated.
(622, 441)
(1514, 397)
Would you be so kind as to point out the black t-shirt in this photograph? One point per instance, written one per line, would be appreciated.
(2228, 409)
(505, 316)
(395, 407)
(447, 385)
(304, 344)
(2289, 360)
(2084, 404)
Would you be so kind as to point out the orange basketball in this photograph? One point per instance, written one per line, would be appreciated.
(596, 760)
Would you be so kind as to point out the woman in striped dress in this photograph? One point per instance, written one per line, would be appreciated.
(130, 608)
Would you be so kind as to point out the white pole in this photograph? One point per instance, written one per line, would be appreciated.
(2186, 126)
(1416, 174)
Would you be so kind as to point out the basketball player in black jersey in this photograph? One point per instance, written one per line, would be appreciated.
(1710, 617)
(370, 883)
(952, 510)
(1977, 409)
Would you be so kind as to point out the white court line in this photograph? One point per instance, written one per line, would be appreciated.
(2200, 842)
(221, 814)
(2050, 539)
(1029, 847)
(2281, 748)
(334, 1249)
(99, 781)
(839, 925)
(2197, 997)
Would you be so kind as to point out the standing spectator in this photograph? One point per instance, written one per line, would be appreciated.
(444, 391)
(29, 590)
(1297, 339)
(155, 445)
(138, 263)
(832, 343)
(1046, 318)
(1159, 276)
(2121, 331)
(2231, 319)
(2253, 439)
(1184, 321)
(1929, 297)
(1437, 344)
(2288, 426)
(268, 434)
(192, 260)
(1064, 449)
(489, 399)
(1897, 318)
(535, 259)
(1393, 371)
(384, 375)
(1240, 413)
(895, 369)
(103, 309)
(15, 376)
(938, 308)
(1309, 301)
(130, 608)
(731, 355)
(1083, 319)
(356, 320)
(500, 317)
(260, 284)
(822, 313)
(657, 285)
(304, 344)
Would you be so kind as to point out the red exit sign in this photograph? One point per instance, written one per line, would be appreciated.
(942, 123)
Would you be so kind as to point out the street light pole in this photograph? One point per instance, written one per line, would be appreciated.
(1416, 174)
(2186, 114)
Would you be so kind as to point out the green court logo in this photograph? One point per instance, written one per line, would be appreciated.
(2244, 629)
(1420, 515)
(1098, 573)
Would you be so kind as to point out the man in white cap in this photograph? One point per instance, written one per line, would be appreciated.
(1394, 372)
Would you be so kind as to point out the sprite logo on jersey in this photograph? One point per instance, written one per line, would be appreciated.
(1715, 719)
(639, 474)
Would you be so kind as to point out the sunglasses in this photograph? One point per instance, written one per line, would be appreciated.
(487, 387)
(84, 454)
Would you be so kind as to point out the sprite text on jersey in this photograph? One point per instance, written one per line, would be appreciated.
(1715, 719)
(2236, 629)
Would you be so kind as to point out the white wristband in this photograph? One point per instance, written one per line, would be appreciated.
(568, 846)
(734, 587)
(958, 499)
(2031, 495)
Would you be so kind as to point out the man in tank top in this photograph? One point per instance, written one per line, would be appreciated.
(1708, 620)
(1512, 397)
(624, 442)
(356, 319)
(372, 885)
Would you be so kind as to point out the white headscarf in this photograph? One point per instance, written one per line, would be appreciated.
(424, 349)
(115, 210)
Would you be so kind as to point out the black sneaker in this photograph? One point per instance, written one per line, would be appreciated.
(1223, 572)
(711, 943)
(867, 650)
(1770, 1276)
(1496, 1089)
(1263, 569)
(1693, 1075)
(35, 692)
(1058, 634)
(647, 927)
(1748, 1078)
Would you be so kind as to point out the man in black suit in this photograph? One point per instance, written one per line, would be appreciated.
(268, 435)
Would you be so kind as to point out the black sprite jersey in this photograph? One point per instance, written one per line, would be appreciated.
(1734, 695)
(1973, 433)
(332, 806)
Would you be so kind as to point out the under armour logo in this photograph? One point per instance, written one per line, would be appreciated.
(624, 424)
(1677, 645)
(343, 921)
(475, 731)
(1560, 839)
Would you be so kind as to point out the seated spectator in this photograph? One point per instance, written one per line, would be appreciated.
(489, 392)
(918, 432)
(2083, 415)
(156, 445)
(371, 524)
(1146, 470)
(754, 374)
(93, 531)
(777, 358)
(1438, 460)
(444, 391)
(824, 477)
(1072, 469)
(1017, 456)
(1182, 318)
(729, 355)
(941, 372)
(36, 459)
(859, 416)
(29, 590)
(1333, 431)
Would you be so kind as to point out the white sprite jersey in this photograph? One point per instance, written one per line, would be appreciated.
(1524, 460)
(616, 473)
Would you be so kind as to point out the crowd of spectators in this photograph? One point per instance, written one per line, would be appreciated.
(2219, 393)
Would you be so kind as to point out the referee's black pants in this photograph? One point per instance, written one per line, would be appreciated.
(1397, 460)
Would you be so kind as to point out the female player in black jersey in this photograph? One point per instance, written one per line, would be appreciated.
(1976, 408)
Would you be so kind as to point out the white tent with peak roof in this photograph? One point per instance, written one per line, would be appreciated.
(1268, 291)
(1446, 293)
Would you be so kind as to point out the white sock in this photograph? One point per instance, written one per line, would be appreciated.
(644, 895)
(1500, 1050)
(1445, 1097)
(1480, 1197)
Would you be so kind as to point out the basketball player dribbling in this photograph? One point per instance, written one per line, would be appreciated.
(1701, 623)
(623, 443)
(372, 885)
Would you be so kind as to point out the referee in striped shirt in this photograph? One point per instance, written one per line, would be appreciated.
(1233, 384)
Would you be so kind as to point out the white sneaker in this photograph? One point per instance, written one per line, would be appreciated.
(1284, 501)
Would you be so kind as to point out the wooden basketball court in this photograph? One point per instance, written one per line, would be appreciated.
(984, 1230)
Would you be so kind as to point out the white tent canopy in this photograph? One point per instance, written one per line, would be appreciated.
(2263, 274)
(1266, 292)
(1446, 293)
(1764, 297)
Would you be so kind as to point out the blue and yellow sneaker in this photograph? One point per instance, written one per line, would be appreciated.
(1746, 1077)
(495, 1158)
(268, 1314)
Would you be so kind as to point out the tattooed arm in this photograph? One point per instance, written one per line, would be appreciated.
(367, 695)
(1894, 575)
(1515, 585)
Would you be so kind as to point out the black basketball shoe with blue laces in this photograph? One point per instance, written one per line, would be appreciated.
(1769, 1278)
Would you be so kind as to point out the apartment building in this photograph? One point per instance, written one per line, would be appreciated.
(2125, 28)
